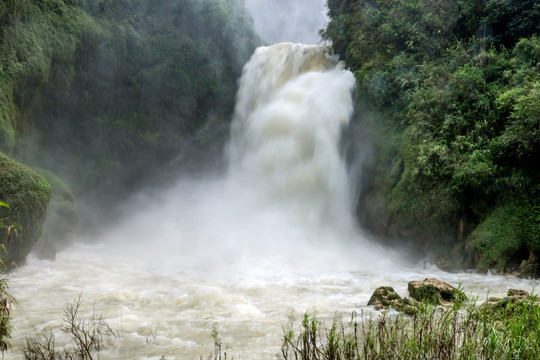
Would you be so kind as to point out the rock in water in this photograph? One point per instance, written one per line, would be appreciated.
(518, 294)
(385, 296)
(435, 291)
(516, 301)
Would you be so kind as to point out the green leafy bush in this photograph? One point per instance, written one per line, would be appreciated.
(507, 231)
(455, 87)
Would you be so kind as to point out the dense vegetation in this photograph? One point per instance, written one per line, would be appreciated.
(105, 93)
(454, 92)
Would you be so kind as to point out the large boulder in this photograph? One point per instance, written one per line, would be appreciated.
(28, 194)
(385, 296)
(435, 291)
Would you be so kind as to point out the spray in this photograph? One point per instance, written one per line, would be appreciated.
(285, 199)
(292, 104)
(275, 236)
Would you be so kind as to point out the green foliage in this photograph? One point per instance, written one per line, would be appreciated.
(33, 38)
(369, 33)
(7, 228)
(5, 323)
(28, 195)
(7, 113)
(6, 302)
(505, 232)
(512, 20)
(461, 103)
(520, 140)
(108, 91)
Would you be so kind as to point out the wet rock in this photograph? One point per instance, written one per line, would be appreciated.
(385, 297)
(456, 259)
(492, 301)
(443, 263)
(514, 302)
(530, 267)
(517, 294)
(435, 291)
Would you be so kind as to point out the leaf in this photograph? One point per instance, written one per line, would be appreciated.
(3, 204)
(9, 230)
(12, 231)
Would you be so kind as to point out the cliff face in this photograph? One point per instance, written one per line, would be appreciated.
(105, 94)
(451, 90)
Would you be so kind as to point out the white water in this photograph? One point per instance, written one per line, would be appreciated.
(289, 20)
(241, 253)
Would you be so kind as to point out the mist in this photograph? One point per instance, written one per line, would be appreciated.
(285, 198)
(285, 20)
(227, 197)
(286, 194)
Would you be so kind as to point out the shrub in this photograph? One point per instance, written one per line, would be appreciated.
(89, 336)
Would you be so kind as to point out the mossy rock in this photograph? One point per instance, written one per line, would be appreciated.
(516, 302)
(435, 291)
(385, 296)
(28, 195)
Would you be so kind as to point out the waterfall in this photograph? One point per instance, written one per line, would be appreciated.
(292, 104)
(235, 255)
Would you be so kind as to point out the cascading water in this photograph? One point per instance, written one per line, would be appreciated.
(240, 253)
(292, 104)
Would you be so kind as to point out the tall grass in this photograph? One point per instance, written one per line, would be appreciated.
(509, 330)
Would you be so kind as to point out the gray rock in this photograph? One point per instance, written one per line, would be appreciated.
(435, 291)
(385, 297)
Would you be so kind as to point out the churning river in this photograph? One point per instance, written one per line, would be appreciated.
(239, 254)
